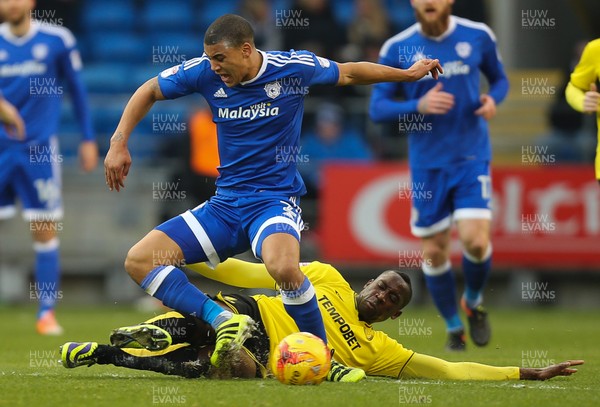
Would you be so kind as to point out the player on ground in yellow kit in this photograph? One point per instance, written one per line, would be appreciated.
(582, 90)
(182, 344)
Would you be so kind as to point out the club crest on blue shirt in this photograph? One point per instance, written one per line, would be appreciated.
(463, 49)
(39, 51)
(273, 89)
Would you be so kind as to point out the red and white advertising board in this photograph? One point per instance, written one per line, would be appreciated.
(546, 217)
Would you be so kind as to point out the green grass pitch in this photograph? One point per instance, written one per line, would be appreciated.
(31, 376)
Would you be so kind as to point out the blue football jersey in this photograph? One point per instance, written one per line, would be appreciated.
(258, 121)
(465, 50)
(34, 69)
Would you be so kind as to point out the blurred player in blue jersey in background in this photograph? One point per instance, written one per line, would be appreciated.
(257, 100)
(36, 58)
(449, 152)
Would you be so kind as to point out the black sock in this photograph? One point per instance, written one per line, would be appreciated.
(186, 329)
(180, 362)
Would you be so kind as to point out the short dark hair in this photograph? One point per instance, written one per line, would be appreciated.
(231, 29)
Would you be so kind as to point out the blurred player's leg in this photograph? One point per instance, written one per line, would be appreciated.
(473, 215)
(42, 202)
(47, 276)
(442, 286)
(477, 262)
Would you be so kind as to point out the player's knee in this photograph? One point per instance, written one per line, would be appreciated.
(476, 246)
(287, 276)
(136, 265)
(434, 256)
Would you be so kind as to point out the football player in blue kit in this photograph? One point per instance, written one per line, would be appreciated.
(36, 60)
(449, 152)
(258, 116)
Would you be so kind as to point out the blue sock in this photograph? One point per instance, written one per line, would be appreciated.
(442, 287)
(173, 288)
(47, 274)
(302, 306)
(476, 275)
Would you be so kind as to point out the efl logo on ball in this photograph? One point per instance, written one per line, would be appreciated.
(301, 358)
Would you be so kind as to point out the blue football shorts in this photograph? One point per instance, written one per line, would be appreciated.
(225, 226)
(31, 173)
(441, 195)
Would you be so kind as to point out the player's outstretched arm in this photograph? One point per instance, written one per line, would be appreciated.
(366, 73)
(118, 160)
(544, 373)
(11, 118)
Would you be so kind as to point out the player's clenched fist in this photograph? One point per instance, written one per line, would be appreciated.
(117, 163)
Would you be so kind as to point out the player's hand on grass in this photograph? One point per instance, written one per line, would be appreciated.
(559, 369)
(9, 115)
(117, 163)
(591, 99)
(435, 101)
(488, 107)
(88, 155)
(424, 67)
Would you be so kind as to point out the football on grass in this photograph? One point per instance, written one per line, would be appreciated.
(301, 358)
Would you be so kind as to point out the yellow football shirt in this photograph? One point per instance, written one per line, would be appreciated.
(586, 72)
(355, 342)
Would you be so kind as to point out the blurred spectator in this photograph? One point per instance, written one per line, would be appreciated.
(267, 36)
(472, 9)
(310, 25)
(330, 141)
(567, 140)
(199, 156)
(367, 32)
